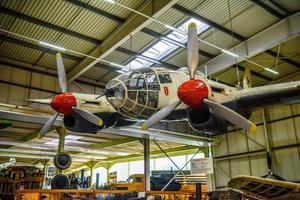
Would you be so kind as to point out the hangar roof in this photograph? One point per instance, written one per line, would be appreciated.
(118, 35)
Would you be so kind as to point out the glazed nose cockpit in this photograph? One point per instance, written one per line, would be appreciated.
(115, 93)
(134, 94)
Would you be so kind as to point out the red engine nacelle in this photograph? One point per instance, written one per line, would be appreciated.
(192, 93)
(63, 103)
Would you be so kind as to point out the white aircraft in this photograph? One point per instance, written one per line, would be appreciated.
(152, 95)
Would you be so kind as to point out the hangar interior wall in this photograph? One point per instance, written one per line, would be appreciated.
(241, 153)
(29, 85)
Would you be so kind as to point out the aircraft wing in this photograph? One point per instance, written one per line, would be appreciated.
(284, 93)
(81, 96)
(265, 188)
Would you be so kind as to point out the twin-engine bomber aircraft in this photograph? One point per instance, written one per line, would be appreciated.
(151, 95)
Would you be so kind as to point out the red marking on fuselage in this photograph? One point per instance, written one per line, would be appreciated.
(166, 90)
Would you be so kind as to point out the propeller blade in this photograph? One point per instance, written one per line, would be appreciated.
(192, 49)
(231, 116)
(45, 129)
(40, 101)
(160, 115)
(89, 116)
(62, 78)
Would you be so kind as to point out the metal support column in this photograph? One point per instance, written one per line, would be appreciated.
(45, 170)
(91, 165)
(61, 143)
(107, 166)
(269, 156)
(198, 191)
(210, 177)
(147, 163)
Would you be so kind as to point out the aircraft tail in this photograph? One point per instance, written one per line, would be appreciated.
(247, 80)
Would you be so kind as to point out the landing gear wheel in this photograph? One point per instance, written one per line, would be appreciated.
(60, 181)
(62, 161)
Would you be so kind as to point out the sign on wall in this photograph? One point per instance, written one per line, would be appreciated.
(202, 166)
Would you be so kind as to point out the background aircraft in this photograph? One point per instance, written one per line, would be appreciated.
(152, 95)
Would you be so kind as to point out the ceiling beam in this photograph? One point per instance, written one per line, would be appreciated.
(49, 73)
(179, 44)
(281, 57)
(274, 2)
(269, 9)
(133, 24)
(154, 61)
(262, 41)
(97, 11)
(36, 47)
(49, 50)
(213, 24)
(254, 73)
(218, 27)
(171, 66)
(48, 25)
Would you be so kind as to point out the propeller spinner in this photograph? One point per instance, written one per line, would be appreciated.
(65, 103)
(194, 92)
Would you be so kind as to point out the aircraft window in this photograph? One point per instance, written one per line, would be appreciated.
(141, 83)
(133, 81)
(138, 109)
(151, 81)
(165, 78)
(142, 97)
(129, 104)
(152, 100)
(132, 95)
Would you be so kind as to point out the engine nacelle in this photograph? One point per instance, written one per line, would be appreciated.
(76, 123)
(204, 120)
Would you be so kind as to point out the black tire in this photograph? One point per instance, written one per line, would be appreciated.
(60, 181)
(62, 161)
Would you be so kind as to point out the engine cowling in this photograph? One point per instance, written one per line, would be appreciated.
(76, 123)
(204, 120)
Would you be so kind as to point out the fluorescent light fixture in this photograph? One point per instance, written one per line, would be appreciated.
(52, 142)
(122, 153)
(73, 137)
(171, 28)
(271, 70)
(230, 53)
(116, 65)
(110, 1)
(53, 46)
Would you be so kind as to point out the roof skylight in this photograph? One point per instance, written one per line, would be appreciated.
(164, 46)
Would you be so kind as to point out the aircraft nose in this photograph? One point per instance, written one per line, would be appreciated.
(115, 93)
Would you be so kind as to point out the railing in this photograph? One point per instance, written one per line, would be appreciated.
(96, 194)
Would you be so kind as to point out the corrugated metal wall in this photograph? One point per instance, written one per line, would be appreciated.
(240, 153)
(26, 85)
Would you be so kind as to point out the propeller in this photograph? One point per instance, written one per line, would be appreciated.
(160, 115)
(65, 103)
(48, 125)
(195, 92)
